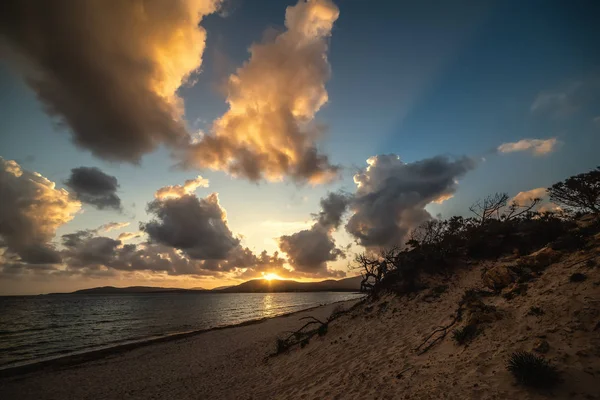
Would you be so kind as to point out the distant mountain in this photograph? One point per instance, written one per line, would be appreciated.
(222, 287)
(253, 286)
(132, 289)
(274, 285)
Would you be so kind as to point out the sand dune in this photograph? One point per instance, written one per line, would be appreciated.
(368, 353)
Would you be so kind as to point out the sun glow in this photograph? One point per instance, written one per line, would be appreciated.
(271, 276)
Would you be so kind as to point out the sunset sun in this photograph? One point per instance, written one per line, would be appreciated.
(270, 276)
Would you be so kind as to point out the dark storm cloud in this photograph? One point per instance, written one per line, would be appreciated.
(94, 187)
(31, 210)
(333, 207)
(109, 70)
(309, 250)
(391, 196)
(198, 227)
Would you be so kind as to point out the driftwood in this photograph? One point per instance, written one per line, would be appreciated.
(443, 329)
(302, 336)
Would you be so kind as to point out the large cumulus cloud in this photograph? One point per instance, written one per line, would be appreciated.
(196, 226)
(310, 250)
(109, 70)
(32, 209)
(391, 196)
(94, 187)
(268, 131)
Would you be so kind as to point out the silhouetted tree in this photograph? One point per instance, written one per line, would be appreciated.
(578, 192)
(489, 207)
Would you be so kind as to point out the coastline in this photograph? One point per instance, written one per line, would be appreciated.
(73, 359)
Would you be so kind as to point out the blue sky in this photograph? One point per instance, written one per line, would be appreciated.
(416, 79)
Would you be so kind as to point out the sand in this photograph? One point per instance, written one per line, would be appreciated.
(367, 354)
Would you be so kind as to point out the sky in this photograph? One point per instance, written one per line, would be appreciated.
(201, 143)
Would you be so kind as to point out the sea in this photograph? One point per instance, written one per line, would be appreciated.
(36, 328)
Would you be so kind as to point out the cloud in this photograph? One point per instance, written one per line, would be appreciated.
(268, 131)
(32, 209)
(391, 196)
(129, 235)
(177, 191)
(538, 147)
(566, 101)
(109, 71)
(524, 198)
(94, 187)
(112, 226)
(196, 226)
(333, 207)
(309, 250)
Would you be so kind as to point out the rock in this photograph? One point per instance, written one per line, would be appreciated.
(541, 259)
(498, 277)
(514, 290)
(541, 346)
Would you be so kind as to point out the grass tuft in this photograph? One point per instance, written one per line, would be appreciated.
(532, 370)
(465, 334)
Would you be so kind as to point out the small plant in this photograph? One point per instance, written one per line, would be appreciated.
(577, 277)
(537, 311)
(281, 346)
(465, 334)
(304, 343)
(337, 312)
(439, 290)
(532, 370)
(322, 330)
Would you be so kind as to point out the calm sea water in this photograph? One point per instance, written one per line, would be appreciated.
(41, 327)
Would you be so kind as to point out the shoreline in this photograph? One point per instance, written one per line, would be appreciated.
(70, 360)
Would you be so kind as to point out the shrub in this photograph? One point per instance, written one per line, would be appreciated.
(465, 334)
(322, 330)
(579, 192)
(577, 277)
(281, 346)
(532, 370)
(537, 311)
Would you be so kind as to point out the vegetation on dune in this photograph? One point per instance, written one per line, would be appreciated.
(580, 192)
(528, 241)
(496, 229)
(532, 370)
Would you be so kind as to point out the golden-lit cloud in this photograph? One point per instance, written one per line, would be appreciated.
(443, 198)
(524, 198)
(538, 147)
(109, 70)
(129, 235)
(112, 226)
(268, 131)
(175, 191)
(32, 209)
